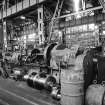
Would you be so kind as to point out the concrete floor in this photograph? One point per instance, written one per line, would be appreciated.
(18, 93)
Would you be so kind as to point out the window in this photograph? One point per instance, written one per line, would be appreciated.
(40, 15)
(40, 27)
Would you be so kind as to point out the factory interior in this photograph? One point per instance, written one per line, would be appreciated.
(52, 52)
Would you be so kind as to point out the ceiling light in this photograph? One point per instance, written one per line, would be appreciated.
(22, 17)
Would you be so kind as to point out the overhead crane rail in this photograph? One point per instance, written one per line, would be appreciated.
(80, 12)
(58, 10)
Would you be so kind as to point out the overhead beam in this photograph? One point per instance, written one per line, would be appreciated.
(81, 21)
(80, 12)
(19, 7)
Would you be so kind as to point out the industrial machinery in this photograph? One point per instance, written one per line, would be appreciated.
(90, 65)
(56, 94)
(47, 53)
(17, 74)
(8, 56)
(28, 74)
(41, 81)
(35, 56)
(30, 77)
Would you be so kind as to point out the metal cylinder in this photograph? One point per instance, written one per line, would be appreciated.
(39, 80)
(31, 75)
(43, 80)
(72, 87)
(72, 83)
(95, 95)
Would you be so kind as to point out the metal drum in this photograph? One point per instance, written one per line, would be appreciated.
(39, 80)
(72, 92)
(29, 74)
(72, 83)
(95, 95)
(43, 80)
(30, 78)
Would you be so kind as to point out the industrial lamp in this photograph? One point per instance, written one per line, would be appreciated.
(22, 17)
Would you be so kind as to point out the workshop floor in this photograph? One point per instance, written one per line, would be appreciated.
(18, 93)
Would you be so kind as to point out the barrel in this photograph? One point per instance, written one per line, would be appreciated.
(95, 95)
(72, 92)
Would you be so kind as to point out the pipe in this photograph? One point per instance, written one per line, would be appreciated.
(81, 12)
